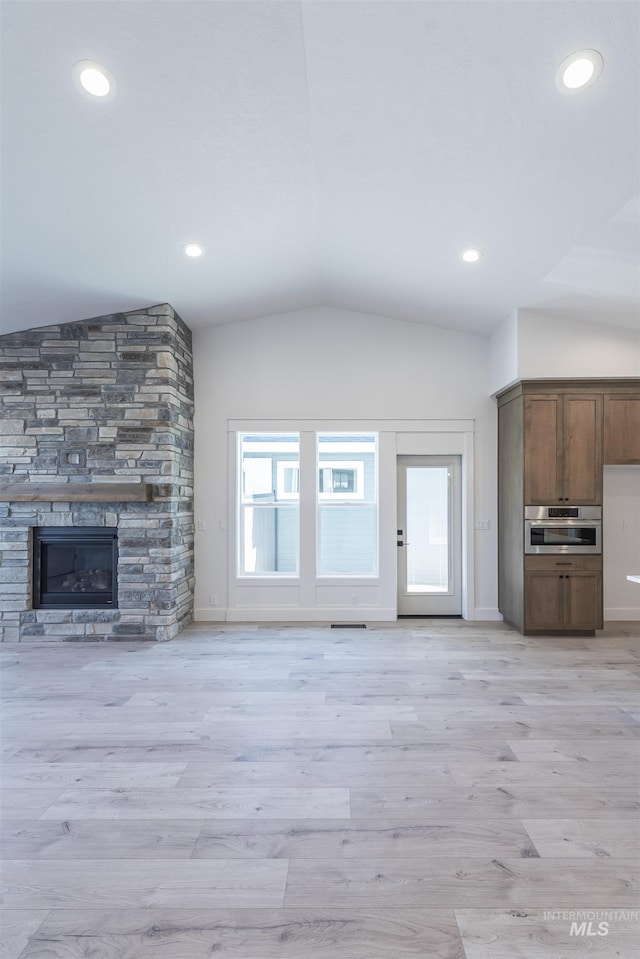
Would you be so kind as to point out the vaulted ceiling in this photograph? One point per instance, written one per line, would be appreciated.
(321, 152)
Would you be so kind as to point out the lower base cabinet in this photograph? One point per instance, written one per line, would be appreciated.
(583, 601)
(544, 606)
(562, 600)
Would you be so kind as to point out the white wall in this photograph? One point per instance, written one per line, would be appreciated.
(329, 364)
(552, 347)
(503, 354)
(621, 541)
(533, 345)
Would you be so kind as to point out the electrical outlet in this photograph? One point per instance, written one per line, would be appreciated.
(483, 524)
(201, 526)
(626, 524)
(354, 599)
(213, 600)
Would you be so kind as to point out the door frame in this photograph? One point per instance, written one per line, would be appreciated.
(458, 440)
(453, 596)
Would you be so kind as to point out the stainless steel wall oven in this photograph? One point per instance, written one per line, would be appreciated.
(563, 529)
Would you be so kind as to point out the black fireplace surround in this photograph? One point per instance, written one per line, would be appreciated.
(75, 568)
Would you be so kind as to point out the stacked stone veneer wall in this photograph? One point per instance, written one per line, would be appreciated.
(105, 400)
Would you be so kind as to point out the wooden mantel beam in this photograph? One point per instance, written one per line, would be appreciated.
(75, 492)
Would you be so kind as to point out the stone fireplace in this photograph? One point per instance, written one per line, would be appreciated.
(96, 437)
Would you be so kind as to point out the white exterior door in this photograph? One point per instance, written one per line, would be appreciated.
(429, 536)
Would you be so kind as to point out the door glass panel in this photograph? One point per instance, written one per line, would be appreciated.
(427, 532)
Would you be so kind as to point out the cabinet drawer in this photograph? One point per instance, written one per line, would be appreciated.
(559, 564)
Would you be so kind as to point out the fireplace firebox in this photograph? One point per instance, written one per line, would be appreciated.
(75, 568)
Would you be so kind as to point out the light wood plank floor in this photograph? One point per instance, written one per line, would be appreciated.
(421, 790)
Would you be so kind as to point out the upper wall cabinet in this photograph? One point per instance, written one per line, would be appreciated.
(562, 448)
(621, 429)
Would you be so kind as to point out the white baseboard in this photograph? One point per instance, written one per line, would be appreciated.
(288, 614)
(210, 614)
(487, 614)
(621, 613)
(339, 614)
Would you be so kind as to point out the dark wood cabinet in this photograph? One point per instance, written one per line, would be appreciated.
(621, 429)
(562, 448)
(553, 438)
(582, 448)
(542, 449)
(543, 607)
(582, 601)
(562, 595)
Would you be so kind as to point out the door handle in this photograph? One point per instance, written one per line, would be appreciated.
(403, 544)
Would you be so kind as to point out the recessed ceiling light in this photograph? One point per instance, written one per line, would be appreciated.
(94, 79)
(192, 249)
(578, 71)
(471, 256)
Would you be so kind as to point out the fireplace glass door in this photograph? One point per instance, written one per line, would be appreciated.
(75, 568)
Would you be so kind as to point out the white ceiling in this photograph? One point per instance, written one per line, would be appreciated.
(322, 152)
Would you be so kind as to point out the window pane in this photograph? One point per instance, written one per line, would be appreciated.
(347, 504)
(427, 529)
(268, 496)
(288, 479)
(348, 540)
(269, 539)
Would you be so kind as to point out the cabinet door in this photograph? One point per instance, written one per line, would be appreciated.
(583, 601)
(542, 449)
(622, 429)
(543, 601)
(582, 448)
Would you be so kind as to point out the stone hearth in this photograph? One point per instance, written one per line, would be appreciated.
(106, 403)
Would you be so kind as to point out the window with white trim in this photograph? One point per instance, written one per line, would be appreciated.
(343, 494)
